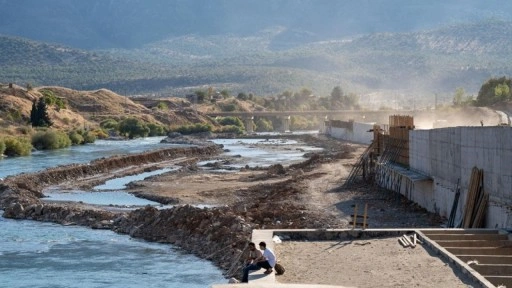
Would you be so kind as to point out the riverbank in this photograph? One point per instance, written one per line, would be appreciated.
(303, 195)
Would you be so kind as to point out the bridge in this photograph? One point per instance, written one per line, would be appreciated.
(379, 116)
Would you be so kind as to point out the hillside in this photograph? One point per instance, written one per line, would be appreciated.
(86, 109)
(410, 64)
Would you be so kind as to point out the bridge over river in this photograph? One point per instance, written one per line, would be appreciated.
(378, 116)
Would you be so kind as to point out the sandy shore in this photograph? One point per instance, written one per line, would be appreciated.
(366, 263)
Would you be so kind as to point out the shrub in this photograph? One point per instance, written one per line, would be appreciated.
(91, 136)
(50, 140)
(162, 106)
(17, 146)
(224, 121)
(76, 138)
(50, 99)
(109, 124)
(194, 128)
(133, 128)
(156, 130)
(2, 147)
(263, 125)
(230, 129)
(228, 107)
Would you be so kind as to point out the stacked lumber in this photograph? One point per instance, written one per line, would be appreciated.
(476, 201)
(409, 240)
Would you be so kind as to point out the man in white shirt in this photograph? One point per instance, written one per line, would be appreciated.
(267, 260)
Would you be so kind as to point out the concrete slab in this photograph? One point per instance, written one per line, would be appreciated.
(498, 260)
(275, 285)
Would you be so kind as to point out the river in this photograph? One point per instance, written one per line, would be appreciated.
(36, 254)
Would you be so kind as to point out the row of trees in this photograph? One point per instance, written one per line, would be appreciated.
(494, 90)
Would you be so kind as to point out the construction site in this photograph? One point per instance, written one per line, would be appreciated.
(461, 173)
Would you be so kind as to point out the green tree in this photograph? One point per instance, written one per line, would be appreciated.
(263, 125)
(493, 91)
(235, 121)
(459, 96)
(133, 128)
(39, 114)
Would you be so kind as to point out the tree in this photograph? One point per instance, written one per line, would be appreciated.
(493, 91)
(459, 96)
(133, 128)
(201, 95)
(242, 96)
(336, 94)
(336, 97)
(39, 114)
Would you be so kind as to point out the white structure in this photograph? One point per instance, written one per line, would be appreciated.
(449, 154)
(351, 131)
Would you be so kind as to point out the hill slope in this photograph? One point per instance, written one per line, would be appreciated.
(86, 109)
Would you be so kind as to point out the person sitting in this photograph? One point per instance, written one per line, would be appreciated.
(267, 259)
(250, 262)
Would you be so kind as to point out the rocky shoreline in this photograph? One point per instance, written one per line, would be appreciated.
(218, 234)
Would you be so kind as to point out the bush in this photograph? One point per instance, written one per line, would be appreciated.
(133, 128)
(76, 138)
(109, 124)
(95, 134)
(194, 128)
(235, 121)
(91, 136)
(50, 99)
(156, 130)
(162, 106)
(230, 129)
(263, 125)
(2, 147)
(50, 140)
(228, 107)
(17, 146)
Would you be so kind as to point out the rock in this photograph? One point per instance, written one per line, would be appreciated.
(15, 210)
(233, 281)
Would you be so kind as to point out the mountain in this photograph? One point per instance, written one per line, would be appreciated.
(379, 47)
(104, 24)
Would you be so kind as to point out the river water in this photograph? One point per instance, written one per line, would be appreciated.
(37, 254)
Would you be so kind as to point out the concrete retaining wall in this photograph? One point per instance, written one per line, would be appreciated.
(357, 133)
(449, 154)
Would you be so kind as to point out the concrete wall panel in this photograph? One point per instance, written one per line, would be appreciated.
(449, 154)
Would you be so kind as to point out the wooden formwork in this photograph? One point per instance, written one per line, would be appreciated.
(399, 127)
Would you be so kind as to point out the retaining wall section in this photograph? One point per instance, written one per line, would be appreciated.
(358, 134)
(449, 154)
